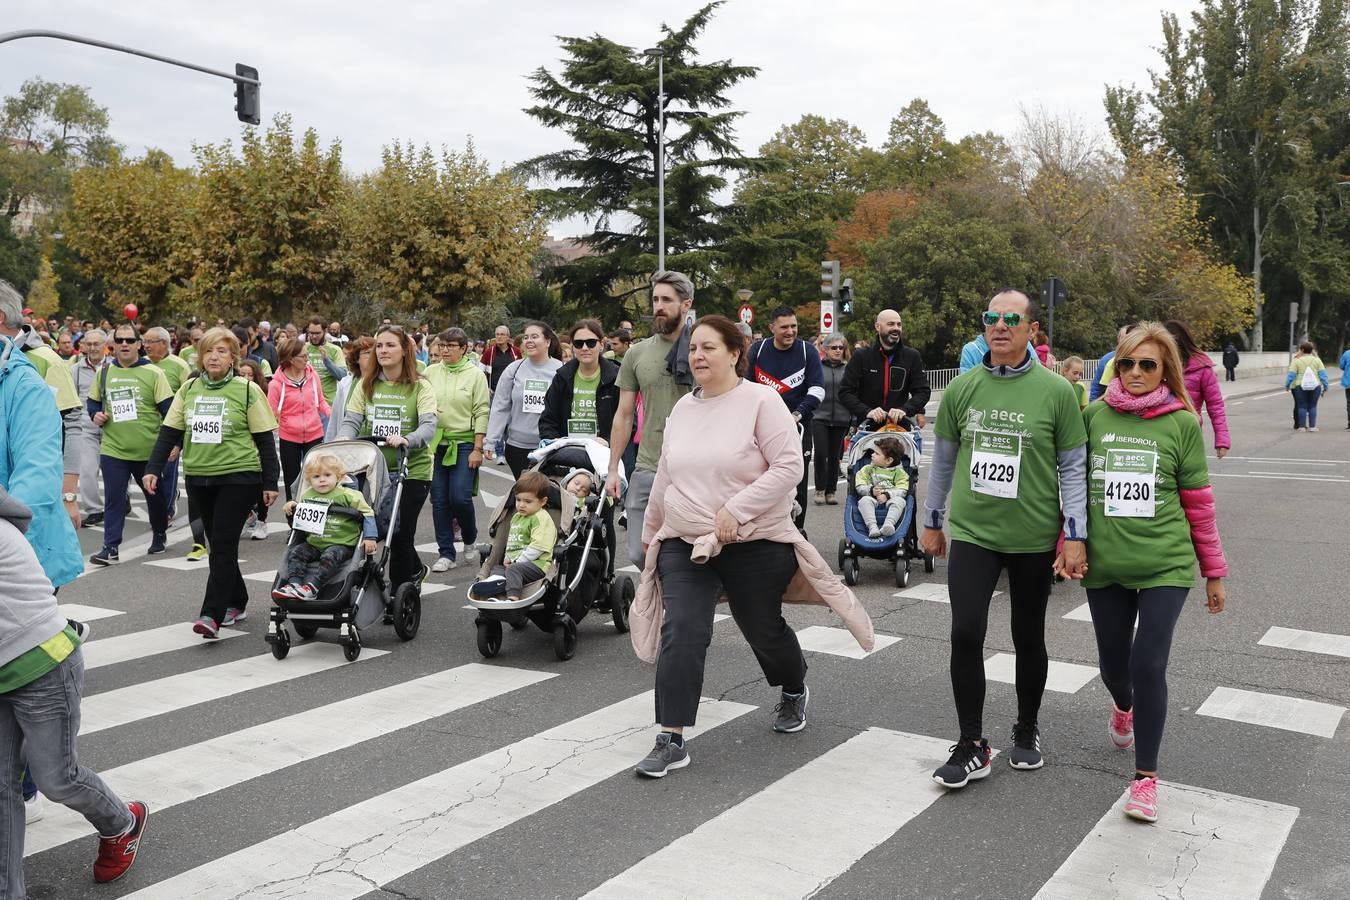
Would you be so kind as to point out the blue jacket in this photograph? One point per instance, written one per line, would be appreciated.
(30, 463)
(795, 373)
(1345, 369)
(1096, 388)
(972, 354)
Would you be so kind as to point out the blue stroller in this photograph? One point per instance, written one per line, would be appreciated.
(900, 548)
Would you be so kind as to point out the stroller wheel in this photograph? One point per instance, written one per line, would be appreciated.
(902, 573)
(281, 644)
(407, 611)
(305, 630)
(351, 648)
(928, 563)
(519, 624)
(489, 637)
(843, 552)
(851, 571)
(565, 639)
(620, 599)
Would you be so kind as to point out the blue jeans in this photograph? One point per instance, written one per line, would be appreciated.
(452, 501)
(1305, 407)
(40, 720)
(169, 491)
(116, 473)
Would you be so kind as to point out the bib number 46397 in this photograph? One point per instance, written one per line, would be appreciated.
(310, 517)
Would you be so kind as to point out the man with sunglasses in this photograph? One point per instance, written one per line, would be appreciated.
(1011, 451)
(886, 382)
(326, 358)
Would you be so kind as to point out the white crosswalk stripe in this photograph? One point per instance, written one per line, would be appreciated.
(140, 644)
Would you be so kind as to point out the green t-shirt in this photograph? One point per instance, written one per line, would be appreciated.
(130, 398)
(174, 369)
(56, 373)
(536, 531)
(188, 355)
(316, 354)
(218, 424)
(1005, 491)
(893, 480)
(643, 370)
(1081, 391)
(584, 416)
(31, 665)
(339, 530)
(1136, 467)
(394, 409)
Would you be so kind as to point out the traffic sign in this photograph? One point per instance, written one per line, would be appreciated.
(826, 316)
(746, 314)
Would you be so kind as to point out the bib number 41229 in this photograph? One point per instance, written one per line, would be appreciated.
(995, 463)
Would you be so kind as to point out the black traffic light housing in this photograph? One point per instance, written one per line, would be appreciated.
(846, 298)
(246, 95)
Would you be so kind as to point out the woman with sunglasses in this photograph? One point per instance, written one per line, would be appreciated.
(461, 390)
(393, 402)
(518, 400)
(584, 394)
(831, 421)
(1150, 517)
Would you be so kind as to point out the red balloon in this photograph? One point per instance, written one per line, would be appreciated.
(131, 311)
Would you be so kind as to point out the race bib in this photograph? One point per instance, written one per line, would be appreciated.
(386, 422)
(582, 427)
(995, 463)
(310, 517)
(1131, 483)
(208, 420)
(533, 404)
(122, 404)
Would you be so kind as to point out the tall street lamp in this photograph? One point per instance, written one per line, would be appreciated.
(659, 54)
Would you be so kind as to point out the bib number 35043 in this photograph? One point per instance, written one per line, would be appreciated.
(1130, 486)
(995, 463)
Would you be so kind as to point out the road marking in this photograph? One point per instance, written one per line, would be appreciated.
(81, 613)
(351, 852)
(267, 576)
(1311, 641)
(1330, 480)
(136, 549)
(931, 591)
(1205, 844)
(1064, 678)
(1307, 475)
(1084, 614)
(126, 647)
(838, 808)
(1288, 459)
(1273, 711)
(632, 569)
(182, 564)
(838, 642)
(154, 698)
(488, 470)
(178, 776)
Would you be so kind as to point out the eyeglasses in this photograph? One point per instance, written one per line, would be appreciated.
(1126, 364)
(586, 343)
(1012, 320)
(131, 340)
(835, 347)
(314, 334)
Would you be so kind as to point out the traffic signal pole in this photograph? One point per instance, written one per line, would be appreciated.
(246, 81)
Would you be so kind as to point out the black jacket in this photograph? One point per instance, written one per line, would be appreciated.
(1230, 357)
(865, 377)
(558, 400)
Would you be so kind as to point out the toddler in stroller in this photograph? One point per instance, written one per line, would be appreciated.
(882, 481)
(532, 535)
(332, 532)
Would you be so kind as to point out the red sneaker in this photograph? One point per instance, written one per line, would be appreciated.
(116, 854)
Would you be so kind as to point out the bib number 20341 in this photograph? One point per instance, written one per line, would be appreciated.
(995, 463)
(1130, 485)
(123, 403)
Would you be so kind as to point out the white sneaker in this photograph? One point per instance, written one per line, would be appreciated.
(1314, 428)
(444, 565)
(260, 531)
(249, 524)
(34, 809)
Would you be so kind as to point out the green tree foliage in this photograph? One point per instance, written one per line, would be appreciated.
(605, 98)
(47, 131)
(42, 296)
(19, 256)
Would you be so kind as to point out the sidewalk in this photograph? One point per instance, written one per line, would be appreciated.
(1264, 384)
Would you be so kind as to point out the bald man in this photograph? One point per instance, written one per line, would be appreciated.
(886, 382)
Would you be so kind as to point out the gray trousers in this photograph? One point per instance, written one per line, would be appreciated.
(91, 491)
(517, 575)
(635, 505)
(40, 721)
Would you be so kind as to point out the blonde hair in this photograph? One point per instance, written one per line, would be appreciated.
(324, 461)
(1173, 372)
(219, 335)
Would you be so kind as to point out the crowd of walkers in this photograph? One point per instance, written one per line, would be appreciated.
(714, 434)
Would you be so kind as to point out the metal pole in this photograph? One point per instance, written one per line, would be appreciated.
(661, 163)
(93, 42)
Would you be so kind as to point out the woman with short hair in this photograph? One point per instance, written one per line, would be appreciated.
(831, 421)
(461, 391)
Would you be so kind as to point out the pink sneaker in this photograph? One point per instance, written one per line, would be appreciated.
(1143, 802)
(1122, 728)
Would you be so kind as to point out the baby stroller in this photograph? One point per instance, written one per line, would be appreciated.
(580, 576)
(902, 546)
(357, 595)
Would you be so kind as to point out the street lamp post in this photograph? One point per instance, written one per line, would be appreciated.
(660, 55)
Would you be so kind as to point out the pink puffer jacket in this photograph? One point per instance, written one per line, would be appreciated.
(301, 412)
(1204, 390)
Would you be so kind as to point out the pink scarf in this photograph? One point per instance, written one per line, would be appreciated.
(1156, 402)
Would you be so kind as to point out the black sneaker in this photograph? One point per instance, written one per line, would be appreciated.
(81, 629)
(1026, 752)
(664, 757)
(105, 557)
(156, 544)
(94, 518)
(970, 761)
(790, 713)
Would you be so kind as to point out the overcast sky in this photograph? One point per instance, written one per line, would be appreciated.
(442, 72)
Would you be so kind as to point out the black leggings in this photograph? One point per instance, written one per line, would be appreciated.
(224, 507)
(404, 563)
(829, 449)
(292, 454)
(972, 573)
(517, 459)
(1134, 663)
(754, 575)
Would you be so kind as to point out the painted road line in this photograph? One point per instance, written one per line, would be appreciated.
(634, 570)
(352, 852)
(1315, 478)
(838, 808)
(1273, 711)
(1064, 678)
(1311, 475)
(136, 549)
(179, 776)
(1205, 845)
(182, 564)
(139, 644)
(838, 642)
(164, 695)
(1311, 641)
(81, 613)
(1084, 614)
(1288, 459)
(489, 470)
(262, 576)
(931, 591)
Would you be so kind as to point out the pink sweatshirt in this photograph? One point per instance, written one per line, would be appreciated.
(298, 409)
(1204, 390)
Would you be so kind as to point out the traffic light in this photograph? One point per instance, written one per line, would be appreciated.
(246, 105)
(846, 298)
(829, 278)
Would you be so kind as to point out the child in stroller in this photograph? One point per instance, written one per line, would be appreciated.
(331, 535)
(882, 481)
(529, 543)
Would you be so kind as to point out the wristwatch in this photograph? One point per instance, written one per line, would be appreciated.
(68, 497)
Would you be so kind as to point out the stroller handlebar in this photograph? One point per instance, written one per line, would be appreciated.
(382, 443)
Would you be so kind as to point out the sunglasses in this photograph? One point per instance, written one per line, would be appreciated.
(1012, 320)
(835, 347)
(586, 343)
(126, 340)
(1126, 363)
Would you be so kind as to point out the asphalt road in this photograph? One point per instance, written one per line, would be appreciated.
(511, 777)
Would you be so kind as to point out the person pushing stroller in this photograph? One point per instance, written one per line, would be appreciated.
(882, 481)
(332, 534)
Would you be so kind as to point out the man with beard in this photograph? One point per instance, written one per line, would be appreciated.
(886, 382)
(326, 358)
(657, 368)
(792, 367)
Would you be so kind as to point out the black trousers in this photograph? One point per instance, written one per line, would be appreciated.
(517, 460)
(753, 575)
(1229, 373)
(828, 448)
(308, 564)
(292, 454)
(800, 519)
(223, 508)
(972, 573)
(404, 563)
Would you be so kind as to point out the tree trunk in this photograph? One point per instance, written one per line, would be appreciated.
(1304, 313)
(1258, 331)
